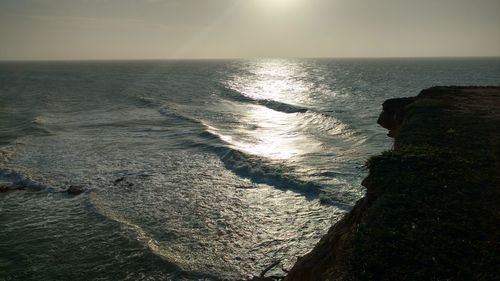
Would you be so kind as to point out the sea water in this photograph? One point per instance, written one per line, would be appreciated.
(192, 170)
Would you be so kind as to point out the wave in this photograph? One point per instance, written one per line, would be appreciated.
(255, 168)
(281, 107)
(312, 119)
(271, 104)
(323, 123)
(171, 113)
(175, 262)
(13, 180)
(166, 110)
(259, 170)
(20, 128)
(320, 120)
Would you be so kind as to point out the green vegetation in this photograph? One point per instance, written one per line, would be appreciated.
(436, 215)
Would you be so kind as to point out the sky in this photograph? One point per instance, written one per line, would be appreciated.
(172, 29)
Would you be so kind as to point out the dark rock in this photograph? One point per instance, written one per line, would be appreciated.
(393, 112)
(75, 190)
(123, 182)
(117, 181)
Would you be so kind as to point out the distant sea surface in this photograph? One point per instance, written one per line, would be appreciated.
(193, 170)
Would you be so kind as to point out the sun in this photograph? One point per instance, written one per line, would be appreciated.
(279, 4)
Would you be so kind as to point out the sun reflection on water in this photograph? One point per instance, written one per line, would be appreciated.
(278, 80)
(274, 134)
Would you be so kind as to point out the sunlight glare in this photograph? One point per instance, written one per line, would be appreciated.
(274, 134)
(279, 4)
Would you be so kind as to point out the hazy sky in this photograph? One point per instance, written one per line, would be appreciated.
(135, 29)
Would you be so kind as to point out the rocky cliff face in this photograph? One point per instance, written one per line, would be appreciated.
(432, 207)
(393, 114)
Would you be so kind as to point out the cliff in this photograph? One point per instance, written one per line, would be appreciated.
(432, 206)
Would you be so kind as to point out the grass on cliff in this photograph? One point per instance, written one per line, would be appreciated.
(430, 219)
(436, 216)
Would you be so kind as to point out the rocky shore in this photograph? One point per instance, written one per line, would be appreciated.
(432, 206)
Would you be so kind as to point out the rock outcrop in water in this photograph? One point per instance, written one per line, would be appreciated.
(432, 207)
(75, 190)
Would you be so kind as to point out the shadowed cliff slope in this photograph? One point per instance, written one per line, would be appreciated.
(432, 207)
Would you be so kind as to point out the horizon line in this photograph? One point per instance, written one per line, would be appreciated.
(244, 58)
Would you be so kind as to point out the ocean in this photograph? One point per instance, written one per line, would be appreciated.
(192, 170)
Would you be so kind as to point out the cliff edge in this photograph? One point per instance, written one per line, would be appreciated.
(432, 206)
